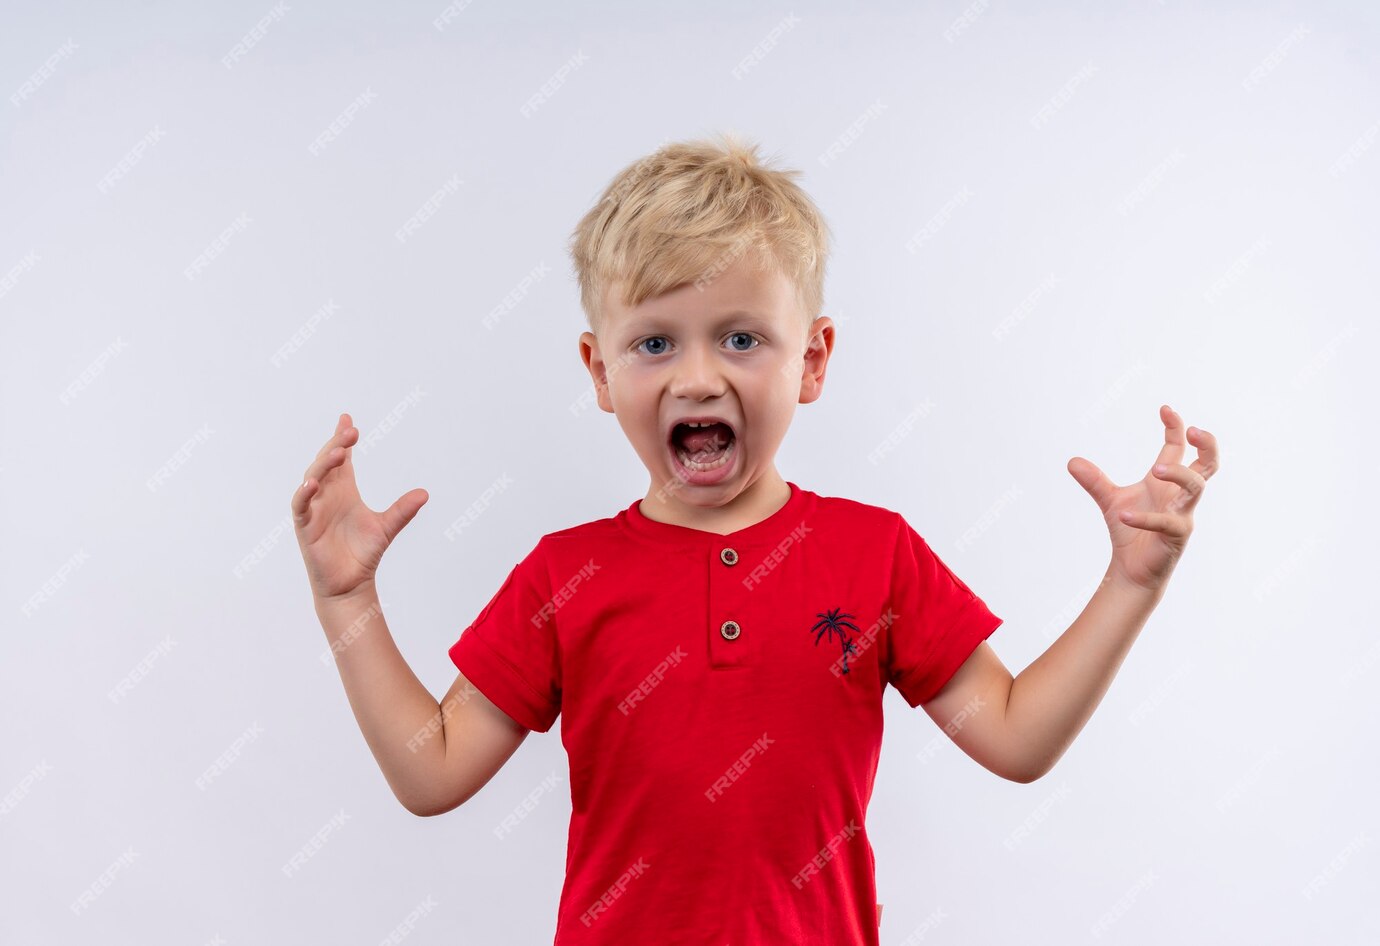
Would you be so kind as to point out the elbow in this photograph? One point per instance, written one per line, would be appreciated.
(417, 807)
(1030, 771)
(429, 811)
(424, 807)
(431, 807)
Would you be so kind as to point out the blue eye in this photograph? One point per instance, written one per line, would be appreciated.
(662, 340)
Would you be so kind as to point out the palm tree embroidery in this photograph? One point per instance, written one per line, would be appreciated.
(833, 624)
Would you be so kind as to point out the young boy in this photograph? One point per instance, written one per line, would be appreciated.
(719, 649)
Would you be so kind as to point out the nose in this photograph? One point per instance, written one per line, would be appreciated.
(697, 375)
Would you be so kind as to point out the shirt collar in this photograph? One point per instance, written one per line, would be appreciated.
(769, 531)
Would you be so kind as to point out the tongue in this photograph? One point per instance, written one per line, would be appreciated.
(704, 442)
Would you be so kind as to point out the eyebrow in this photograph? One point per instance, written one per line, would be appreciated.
(741, 316)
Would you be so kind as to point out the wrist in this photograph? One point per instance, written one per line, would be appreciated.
(362, 595)
(1118, 582)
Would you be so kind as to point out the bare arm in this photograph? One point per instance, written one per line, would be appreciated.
(1019, 727)
(433, 761)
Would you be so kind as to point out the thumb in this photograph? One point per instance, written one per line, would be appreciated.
(1092, 479)
(401, 512)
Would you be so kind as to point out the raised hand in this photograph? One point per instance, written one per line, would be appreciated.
(1150, 520)
(342, 540)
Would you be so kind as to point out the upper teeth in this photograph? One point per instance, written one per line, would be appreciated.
(692, 423)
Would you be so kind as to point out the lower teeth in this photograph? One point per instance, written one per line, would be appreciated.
(695, 467)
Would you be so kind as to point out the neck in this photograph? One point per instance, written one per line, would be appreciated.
(694, 507)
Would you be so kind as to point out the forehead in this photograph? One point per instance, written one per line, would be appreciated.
(741, 294)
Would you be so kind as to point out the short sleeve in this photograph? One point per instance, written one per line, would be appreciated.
(510, 651)
(937, 620)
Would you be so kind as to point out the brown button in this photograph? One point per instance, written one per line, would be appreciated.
(729, 557)
(730, 630)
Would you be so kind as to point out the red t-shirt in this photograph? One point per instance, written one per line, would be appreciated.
(721, 759)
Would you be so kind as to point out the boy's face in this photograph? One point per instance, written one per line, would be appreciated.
(737, 350)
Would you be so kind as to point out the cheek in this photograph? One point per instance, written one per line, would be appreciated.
(771, 412)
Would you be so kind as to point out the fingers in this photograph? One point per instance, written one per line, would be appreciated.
(1208, 462)
(1191, 481)
(1091, 478)
(332, 454)
(401, 512)
(300, 498)
(342, 424)
(1169, 523)
(311, 481)
(1174, 441)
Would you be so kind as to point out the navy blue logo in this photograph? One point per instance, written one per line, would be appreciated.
(832, 624)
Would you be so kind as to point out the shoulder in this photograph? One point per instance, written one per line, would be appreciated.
(876, 521)
(591, 531)
(579, 541)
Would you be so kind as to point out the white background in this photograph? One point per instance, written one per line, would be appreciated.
(1199, 205)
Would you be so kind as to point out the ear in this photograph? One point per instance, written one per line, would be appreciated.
(594, 361)
(819, 345)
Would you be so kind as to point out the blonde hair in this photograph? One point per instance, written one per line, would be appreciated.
(687, 211)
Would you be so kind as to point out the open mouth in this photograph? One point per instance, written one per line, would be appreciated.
(703, 449)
